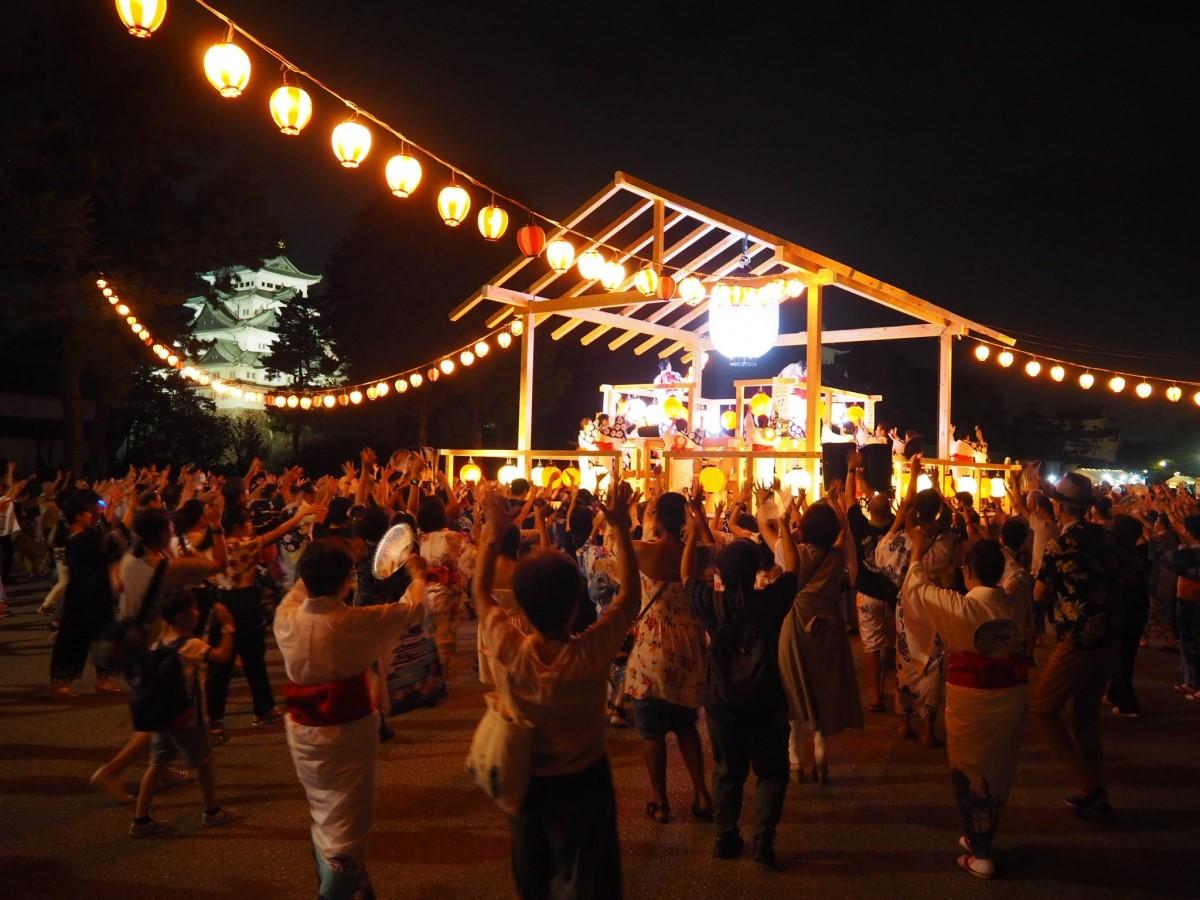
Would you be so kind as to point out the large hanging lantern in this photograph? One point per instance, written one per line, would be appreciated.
(142, 17)
(712, 479)
(729, 420)
(403, 174)
(613, 275)
(591, 264)
(351, 143)
(666, 287)
(453, 204)
(560, 255)
(798, 480)
(691, 290)
(493, 222)
(531, 239)
(470, 473)
(291, 108)
(744, 323)
(227, 67)
(760, 404)
(646, 281)
(508, 474)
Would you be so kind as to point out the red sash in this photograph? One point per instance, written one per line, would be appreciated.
(329, 702)
(760, 448)
(604, 445)
(986, 672)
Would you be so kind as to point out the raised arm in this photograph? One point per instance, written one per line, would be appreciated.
(616, 512)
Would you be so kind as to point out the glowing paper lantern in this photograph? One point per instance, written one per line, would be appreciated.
(743, 323)
(855, 414)
(923, 482)
(982, 352)
(292, 401)
(531, 239)
(142, 17)
(453, 204)
(1058, 373)
(729, 420)
(343, 400)
(712, 479)
(997, 486)
(966, 485)
(432, 374)
(795, 287)
(381, 389)
(356, 397)
(551, 476)
(403, 174)
(305, 402)
(470, 473)
(504, 339)
(1174, 393)
(227, 68)
(798, 479)
(591, 264)
(446, 365)
(560, 255)
(691, 290)
(415, 379)
(760, 404)
(646, 281)
(1143, 390)
(613, 275)
(570, 476)
(400, 385)
(122, 310)
(329, 401)
(481, 349)
(351, 143)
(493, 222)
(517, 327)
(1005, 358)
(1196, 398)
(507, 474)
(1086, 380)
(535, 475)
(666, 287)
(1033, 368)
(291, 108)
(1116, 384)
(466, 357)
(673, 407)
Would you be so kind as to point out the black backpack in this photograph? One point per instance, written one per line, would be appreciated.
(743, 665)
(158, 693)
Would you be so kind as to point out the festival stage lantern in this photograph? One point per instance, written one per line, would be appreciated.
(535, 475)
(924, 482)
(743, 323)
(470, 473)
(691, 290)
(795, 287)
(305, 401)
(481, 349)
(504, 339)
(1033, 368)
(466, 357)
(760, 404)
(666, 287)
(855, 414)
(1086, 380)
(517, 327)
(997, 486)
(712, 479)
(1116, 384)
(329, 401)
(551, 476)
(292, 401)
(531, 239)
(1058, 373)
(613, 275)
(142, 17)
(447, 366)
(646, 281)
(560, 255)
(381, 389)
(729, 420)
(351, 143)
(415, 379)
(453, 204)
(966, 485)
(400, 385)
(635, 411)
(508, 474)
(982, 352)
(432, 374)
(571, 477)
(1174, 393)
(403, 174)
(1143, 390)
(493, 222)
(356, 397)
(673, 407)
(591, 264)
(291, 108)
(798, 480)
(227, 67)
(1005, 358)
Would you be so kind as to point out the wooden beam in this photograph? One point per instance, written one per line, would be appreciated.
(639, 326)
(812, 419)
(525, 395)
(591, 301)
(856, 335)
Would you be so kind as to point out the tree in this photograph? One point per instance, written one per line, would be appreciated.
(302, 353)
(247, 441)
(165, 420)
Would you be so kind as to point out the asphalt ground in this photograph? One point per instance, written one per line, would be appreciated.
(885, 828)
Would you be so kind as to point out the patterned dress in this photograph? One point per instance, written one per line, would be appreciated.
(669, 652)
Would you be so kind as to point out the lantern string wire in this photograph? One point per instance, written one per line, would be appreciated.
(1042, 357)
(406, 141)
(1068, 345)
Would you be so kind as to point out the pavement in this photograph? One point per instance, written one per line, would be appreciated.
(885, 828)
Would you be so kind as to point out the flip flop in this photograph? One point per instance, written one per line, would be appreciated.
(660, 814)
(965, 861)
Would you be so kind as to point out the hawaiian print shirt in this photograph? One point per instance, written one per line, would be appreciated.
(1080, 569)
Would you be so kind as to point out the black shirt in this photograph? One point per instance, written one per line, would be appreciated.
(870, 580)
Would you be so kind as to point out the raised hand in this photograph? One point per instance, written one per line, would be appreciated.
(616, 509)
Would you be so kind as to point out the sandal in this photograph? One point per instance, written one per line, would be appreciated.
(980, 868)
(660, 814)
(704, 815)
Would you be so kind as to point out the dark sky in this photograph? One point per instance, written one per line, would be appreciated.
(1032, 167)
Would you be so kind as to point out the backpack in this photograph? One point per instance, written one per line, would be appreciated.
(158, 693)
(743, 666)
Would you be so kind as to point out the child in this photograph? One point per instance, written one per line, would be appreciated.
(186, 734)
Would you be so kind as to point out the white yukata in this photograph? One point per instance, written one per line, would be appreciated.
(325, 642)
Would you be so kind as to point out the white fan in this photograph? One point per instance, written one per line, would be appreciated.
(397, 545)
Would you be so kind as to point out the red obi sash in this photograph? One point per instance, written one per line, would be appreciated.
(604, 445)
(760, 448)
(329, 702)
(986, 672)
(962, 457)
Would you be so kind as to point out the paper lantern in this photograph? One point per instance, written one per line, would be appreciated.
(966, 485)
(743, 323)
(517, 327)
(1033, 368)
(924, 482)
(453, 204)
(997, 486)
(351, 143)
(855, 414)
(1196, 398)
(760, 404)
(982, 352)
(591, 264)
(329, 401)
(646, 281)
(101, 283)
(1116, 384)
(401, 385)
(531, 239)
(729, 420)
(613, 275)
(122, 310)
(1174, 393)
(508, 474)
(560, 255)
(292, 401)
(142, 17)
(570, 476)
(343, 400)
(666, 287)
(1143, 390)
(227, 68)
(305, 401)
(1058, 373)
(291, 108)
(403, 174)
(550, 477)
(415, 379)
(493, 222)
(795, 287)
(691, 290)
(466, 357)
(381, 389)
(107, 292)
(371, 395)
(535, 475)
(356, 397)
(798, 479)
(432, 374)
(1086, 380)
(504, 339)
(712, 479)
(673, 407)
(481, 349)
(470, 473)
(1005, 358)
(447, 366)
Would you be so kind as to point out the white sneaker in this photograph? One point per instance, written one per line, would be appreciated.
(221, 817)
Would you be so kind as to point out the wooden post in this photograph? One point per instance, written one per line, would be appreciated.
(812, 426)
(696, 391)
(945, 358)
(525, 394)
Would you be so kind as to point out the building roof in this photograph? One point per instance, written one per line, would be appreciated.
(212, 318)
(229, 353)
(281, 265)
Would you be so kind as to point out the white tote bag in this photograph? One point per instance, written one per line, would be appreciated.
(500, 755)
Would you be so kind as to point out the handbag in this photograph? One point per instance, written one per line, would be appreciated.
(500, 755)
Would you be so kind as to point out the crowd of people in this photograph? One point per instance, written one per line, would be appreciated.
(605, 609)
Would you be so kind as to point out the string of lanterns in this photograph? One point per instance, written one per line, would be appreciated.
(400, 382)
(227, 67)
(1145, 386)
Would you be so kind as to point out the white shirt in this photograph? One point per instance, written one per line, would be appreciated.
(956, 617)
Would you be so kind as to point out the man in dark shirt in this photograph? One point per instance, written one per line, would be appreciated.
(1077, 581)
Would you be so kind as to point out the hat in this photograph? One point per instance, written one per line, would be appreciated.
(1074, 489)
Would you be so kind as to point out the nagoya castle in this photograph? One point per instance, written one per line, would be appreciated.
(240, 318)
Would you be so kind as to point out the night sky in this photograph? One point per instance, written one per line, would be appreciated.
(1031, 167)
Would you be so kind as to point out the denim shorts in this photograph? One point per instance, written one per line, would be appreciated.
(653, 718)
